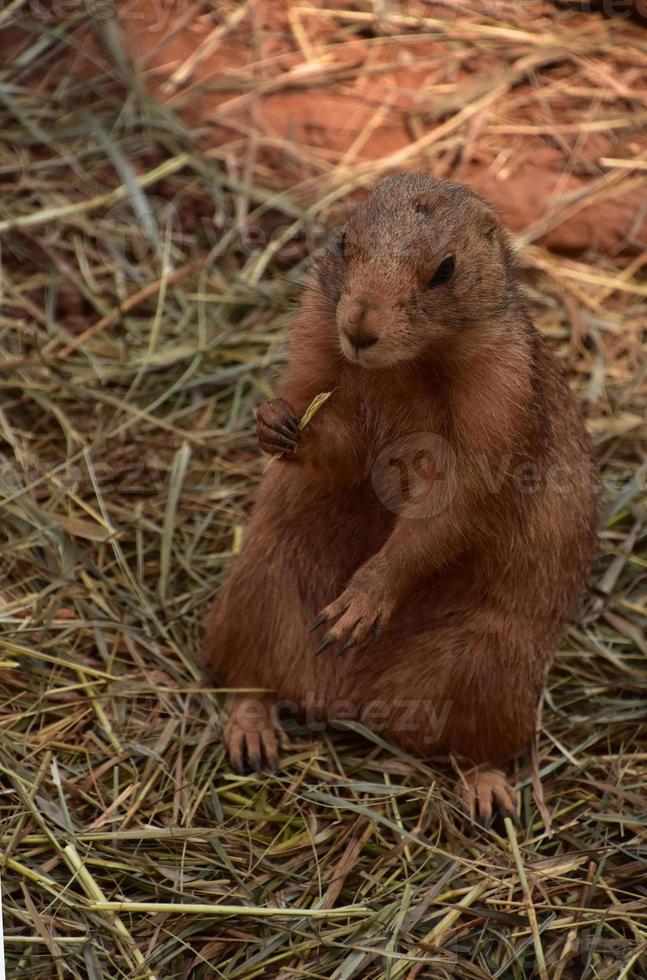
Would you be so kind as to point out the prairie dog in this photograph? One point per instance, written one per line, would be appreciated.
(429, 531)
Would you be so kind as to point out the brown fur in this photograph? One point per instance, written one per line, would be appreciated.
(472, 598)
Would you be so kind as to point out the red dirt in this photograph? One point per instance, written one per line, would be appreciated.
(402, 88)
(331, 93)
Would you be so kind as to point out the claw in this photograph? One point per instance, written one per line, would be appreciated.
(319, 621)
(251, 750)
(327, 641)
(351, 639)
(279, 445)
(487, 796)
(287, 430)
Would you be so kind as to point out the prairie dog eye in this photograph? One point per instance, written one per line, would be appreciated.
(443, 273)
(341, 244)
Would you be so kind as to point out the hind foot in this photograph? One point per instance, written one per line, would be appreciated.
(252, 736)
(486, 793)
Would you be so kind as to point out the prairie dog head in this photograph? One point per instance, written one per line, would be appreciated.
(420, 263)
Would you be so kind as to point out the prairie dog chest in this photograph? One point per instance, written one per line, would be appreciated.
(393, 412)
(386, 434)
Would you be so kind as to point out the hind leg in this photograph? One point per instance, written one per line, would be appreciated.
(252, 734)
(464, 687)
(257, 637)
(256, 628)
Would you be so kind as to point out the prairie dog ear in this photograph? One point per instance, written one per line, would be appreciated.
(489, 225)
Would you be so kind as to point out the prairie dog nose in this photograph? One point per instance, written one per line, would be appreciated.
(361, 338)
(354, 312)
(356, 323)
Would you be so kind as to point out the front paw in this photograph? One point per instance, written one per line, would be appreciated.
(358, 612)
(277, 427)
